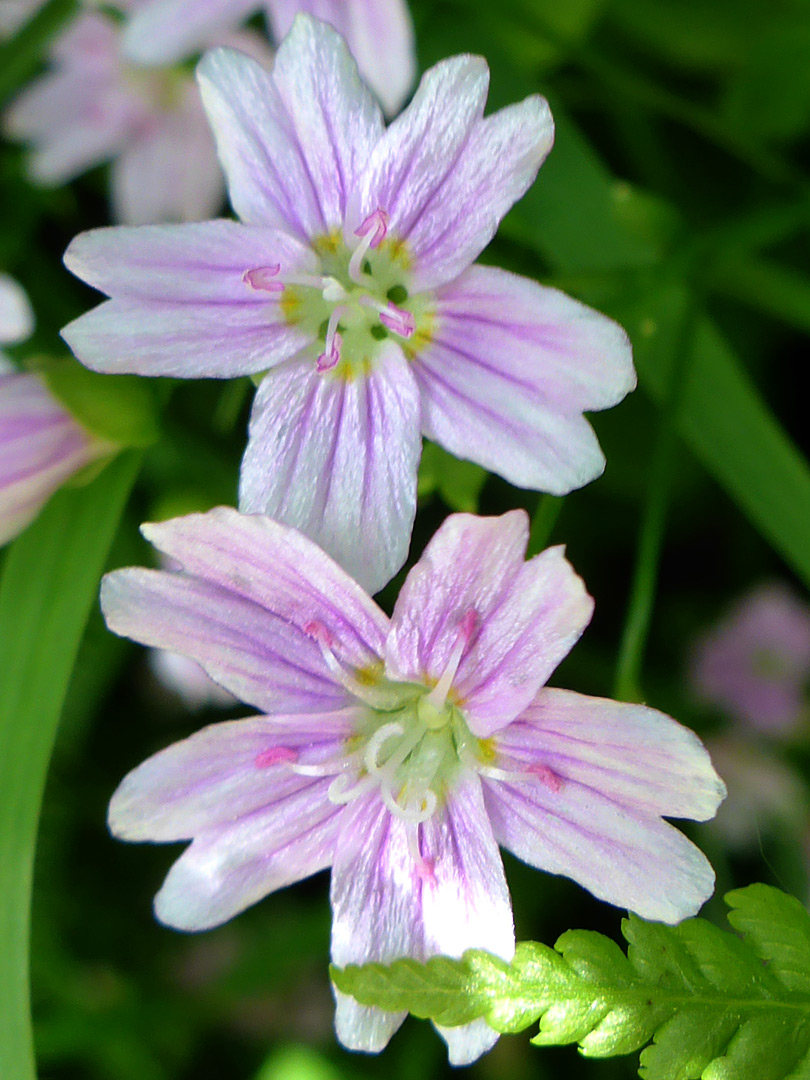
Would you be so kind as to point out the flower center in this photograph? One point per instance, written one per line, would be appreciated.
(355, 303)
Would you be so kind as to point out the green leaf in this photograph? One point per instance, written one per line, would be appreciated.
(459, 483)
(119, 408)
(49, 581)
(704, 1002)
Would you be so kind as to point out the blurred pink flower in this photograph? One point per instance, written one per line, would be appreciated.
(755, 664)
(378, 32)
(41, 445)
(94, 106)
(188, 681)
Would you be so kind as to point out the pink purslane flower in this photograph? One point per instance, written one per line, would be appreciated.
(347, 292)
(95, 106)
(41, 445)
(755, 664)
(399, 752)
(378, 33)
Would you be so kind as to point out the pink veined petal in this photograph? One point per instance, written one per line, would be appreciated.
(170, 172)
(190, 263)
(280, 570)
(376, 912)
(218, 775)
(16, 314)
(379, 34)
(164, 31)
(520, 619)
(337, 457)
(292, 169)
(186, 340)
(630, 753)
(256, 655)
(41, 446)
(508, 373)
(465, 899)
(566, 819)
(495, 167)
(228, 868)
(418, 152)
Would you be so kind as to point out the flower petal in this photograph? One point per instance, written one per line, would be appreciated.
(41, 446)
(413, 158)
(465, 899)
(525, 617)
(16, 314)
(378, 33)
(227, 869)
(510, 368)
(189, 263)
(290, 151)
(446, 176)
(336, 457)
(630, 753)
(185, 340)
(570, 818)
(376, 912)
(280, 570)
(218, 775)
(170, 172)
(254, 654)
(164, 31)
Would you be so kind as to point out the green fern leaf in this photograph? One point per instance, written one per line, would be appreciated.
(699, 1002)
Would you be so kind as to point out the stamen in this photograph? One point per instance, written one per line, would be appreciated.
(331, 354)
(275, 755)
(262, 278)
(337, 791)
(427, 798)
(398, 320)
(423, 867)
(536, 771)
(383, 699)
(372, 233)
(438, 695)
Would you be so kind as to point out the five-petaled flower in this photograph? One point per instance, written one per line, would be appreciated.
(378, 32)
(347, 291)
(399, 752)
(41, 444)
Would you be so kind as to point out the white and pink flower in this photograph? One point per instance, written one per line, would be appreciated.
(347, 291)
(399, 752)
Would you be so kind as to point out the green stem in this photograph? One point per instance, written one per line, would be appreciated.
(20, 56)
(627, 685)
(50, 579)
(543, 522)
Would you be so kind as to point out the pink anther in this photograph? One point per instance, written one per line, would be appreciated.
(318, 632)
(276, 755)
(468, 624)
(378, 221)
(329, 360)
(546, 776)
(398, 320)
(424, 870)
(262, 278)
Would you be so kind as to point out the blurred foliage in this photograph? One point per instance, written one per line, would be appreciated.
(677, 200)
